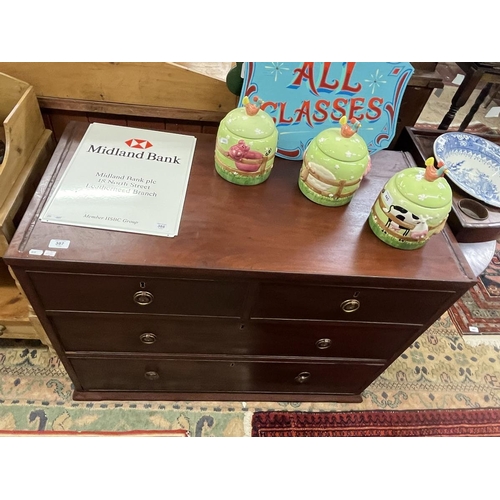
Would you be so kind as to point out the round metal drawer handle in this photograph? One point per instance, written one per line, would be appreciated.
(151, 375)
(143, 298)
(148, 338)
(302, 377)
(350, 305)
(323, 343)
(2, 329)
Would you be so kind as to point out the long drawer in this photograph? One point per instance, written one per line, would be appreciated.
(176, 375)
(135, 333)
(347, 303)
(86, 292)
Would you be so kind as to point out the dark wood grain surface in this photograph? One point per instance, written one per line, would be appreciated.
(269, 228)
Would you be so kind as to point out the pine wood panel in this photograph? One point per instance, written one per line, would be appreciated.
(23, 189)
(14, 307)
(162, 84)
(23, 127)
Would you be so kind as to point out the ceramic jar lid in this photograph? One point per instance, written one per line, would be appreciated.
(346, 149)
(242, 123)
(411, 185)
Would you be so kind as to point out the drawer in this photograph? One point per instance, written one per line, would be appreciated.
(336, 340)
(348, 303)
(153, 334)
(133, 333)
(195, 376)
(86, 292)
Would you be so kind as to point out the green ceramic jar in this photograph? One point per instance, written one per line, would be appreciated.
(246, 144)
(334, 164)
(413, 205)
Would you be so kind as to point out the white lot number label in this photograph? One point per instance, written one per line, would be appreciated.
(59, 244)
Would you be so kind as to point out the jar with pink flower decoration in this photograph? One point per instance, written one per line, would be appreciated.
(246, 144)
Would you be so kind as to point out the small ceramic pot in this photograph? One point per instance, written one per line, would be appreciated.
(413, 205)
(334, 164)
(246, 144)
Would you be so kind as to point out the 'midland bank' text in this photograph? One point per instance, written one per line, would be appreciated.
(142, 155)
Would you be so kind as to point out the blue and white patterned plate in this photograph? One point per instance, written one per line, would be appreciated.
(473, 164)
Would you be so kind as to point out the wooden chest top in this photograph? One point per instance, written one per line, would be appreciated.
(228, 229)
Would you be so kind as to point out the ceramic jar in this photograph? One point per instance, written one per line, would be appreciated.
(334, 164)
(413, 205)
(246, 144)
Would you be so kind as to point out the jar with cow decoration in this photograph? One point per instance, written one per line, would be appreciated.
(413, 205)
(246, 144)
(334, 164)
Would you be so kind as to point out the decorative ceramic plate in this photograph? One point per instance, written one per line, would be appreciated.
(473, 164)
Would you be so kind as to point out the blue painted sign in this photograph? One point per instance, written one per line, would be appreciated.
(304, 98)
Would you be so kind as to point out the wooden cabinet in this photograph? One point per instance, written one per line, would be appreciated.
(26, 147)
(263, 295)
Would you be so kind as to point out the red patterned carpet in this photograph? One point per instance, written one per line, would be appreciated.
(408, 423)
(477, 314)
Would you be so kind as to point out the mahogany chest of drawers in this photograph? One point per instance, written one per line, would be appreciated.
(263, 295)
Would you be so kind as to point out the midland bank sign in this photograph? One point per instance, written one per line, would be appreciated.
(304, 98)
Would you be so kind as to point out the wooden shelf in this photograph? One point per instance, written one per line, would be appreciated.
(28, 148)
(14, 309)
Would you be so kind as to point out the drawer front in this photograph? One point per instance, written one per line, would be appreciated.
(222, 376)
(132, 333)
(83, 292)
(348, 303)
(136, 333)
(335, 340)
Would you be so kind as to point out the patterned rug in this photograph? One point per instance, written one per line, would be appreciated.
(477, 314)
(406, 423)
(439, 371)
(45, 433)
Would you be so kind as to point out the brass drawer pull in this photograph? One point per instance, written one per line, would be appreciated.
(302, 377)
(151, 375)
(323, 343)
(143, 298)
(350, 305)
(148, 338)
(2, 329)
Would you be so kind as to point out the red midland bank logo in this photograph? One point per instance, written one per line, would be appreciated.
(138, 143)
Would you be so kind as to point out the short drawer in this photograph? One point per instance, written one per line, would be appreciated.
(323, 339)
(153, 334)
(86, 292)
(195, 376)
(348, 303)
(133, 333)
